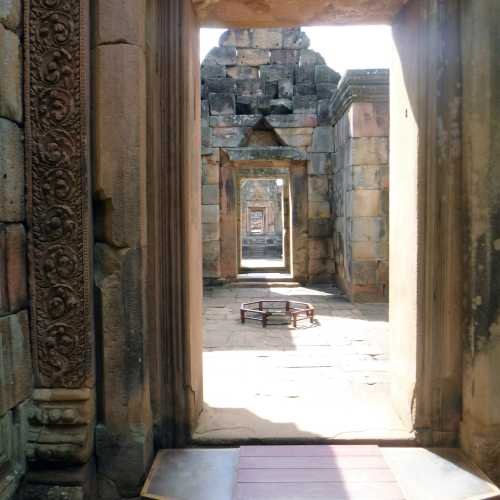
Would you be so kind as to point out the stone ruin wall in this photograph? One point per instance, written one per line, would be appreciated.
(15, 358)
(360, 195)
(265, 89)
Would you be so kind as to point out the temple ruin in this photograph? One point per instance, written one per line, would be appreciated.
(105, 236)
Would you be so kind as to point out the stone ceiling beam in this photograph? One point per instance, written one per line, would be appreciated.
(287, 13)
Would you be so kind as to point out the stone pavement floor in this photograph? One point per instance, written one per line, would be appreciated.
(329, 380)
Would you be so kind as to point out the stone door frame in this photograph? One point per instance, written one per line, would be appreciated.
(230, 173)
(287, 223)
(61, 298)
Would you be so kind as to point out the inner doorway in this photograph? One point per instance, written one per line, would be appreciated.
(264, 225)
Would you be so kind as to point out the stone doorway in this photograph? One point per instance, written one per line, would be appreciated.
(157, 273)
(264, 224)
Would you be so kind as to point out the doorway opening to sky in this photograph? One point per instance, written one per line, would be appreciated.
(295, 182)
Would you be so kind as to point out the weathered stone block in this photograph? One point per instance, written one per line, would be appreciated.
(12, 205)
(305, 89)
(369, 119)
(267, 38)
(206, 134)
(319, 210)
(221, 85)
(320, 228)
(382, 273)
(284, 56)
(281, 106)
(364, 272)
(230, 137)
(15, 360)
(317, 186)
(322, 140)
(224, 56)
(234, 120)
(236, 38)
(292, 121)
(124, 459)
(276, 72)
(325, 74)
(295, 38)
(310, 57)
(253, 57)
(370, 250)
(366, 203)
(209, 171)
(369, 229)
(318, 249)
(120, 144)
(285, 89)
(211, 231)
(11, 104)
(210, 214)
(10, 13)
(324, 117)
(246, 105)
(14, 291)
(265, 153)
(264, 105)
(13, 437)
(222, 104)
(249, 87)
(120, 21)
(212, 71)
(211, 259)
(304, 74)
(320, 270)
(369, 151)
(271, 89)
(325, 90)
(242, 72)
(210, 195)
(50, 492)
(305, 105)
(319, 163)
(295, 137)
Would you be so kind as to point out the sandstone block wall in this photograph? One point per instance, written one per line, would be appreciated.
(361, 185)
(265, 91)
(15, 356)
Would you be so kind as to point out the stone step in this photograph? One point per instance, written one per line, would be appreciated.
(420, 473)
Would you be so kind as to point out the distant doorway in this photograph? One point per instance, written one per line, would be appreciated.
(263, 224)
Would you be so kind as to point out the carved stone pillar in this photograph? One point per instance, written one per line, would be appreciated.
(174, 218)
(59, 222)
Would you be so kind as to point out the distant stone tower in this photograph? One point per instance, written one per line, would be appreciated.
(265, 104)
(267, 71)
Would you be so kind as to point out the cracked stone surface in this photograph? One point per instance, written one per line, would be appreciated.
(327, 380)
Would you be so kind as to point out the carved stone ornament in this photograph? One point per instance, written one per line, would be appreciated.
(58, 191)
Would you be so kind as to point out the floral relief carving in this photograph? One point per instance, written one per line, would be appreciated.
(56, 138)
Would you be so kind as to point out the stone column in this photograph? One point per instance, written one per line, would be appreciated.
(480, 431)
(124, 434)
(360, 112)
(427, 281)
(174, 219)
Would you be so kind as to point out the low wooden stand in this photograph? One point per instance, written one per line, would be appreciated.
(265, 310)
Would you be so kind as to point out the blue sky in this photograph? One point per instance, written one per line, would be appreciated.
(343, 47)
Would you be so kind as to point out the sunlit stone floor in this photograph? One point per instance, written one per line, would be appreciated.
(325, 381)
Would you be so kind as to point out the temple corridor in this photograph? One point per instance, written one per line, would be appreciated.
(329, 380)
